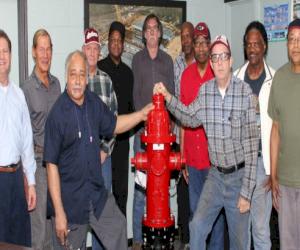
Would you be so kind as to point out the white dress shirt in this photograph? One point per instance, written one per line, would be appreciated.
(16, 141)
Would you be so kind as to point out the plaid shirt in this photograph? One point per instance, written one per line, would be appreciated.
(230, 126)
(101, 85)
(179, 67)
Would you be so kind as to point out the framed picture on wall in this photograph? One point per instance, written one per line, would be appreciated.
(99, 14)
(276, 20)
(296, 9)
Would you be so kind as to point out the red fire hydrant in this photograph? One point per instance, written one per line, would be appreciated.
(158, 161)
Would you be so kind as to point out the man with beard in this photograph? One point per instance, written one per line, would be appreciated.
(194, 142)
(259, 76)
(149, 66)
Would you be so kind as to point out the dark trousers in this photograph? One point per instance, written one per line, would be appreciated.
(120, 168)
(183, 210)
(14, 216)
(183, 204)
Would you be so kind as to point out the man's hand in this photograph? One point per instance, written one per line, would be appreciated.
(145, 111)
(268, 184)
(275, 193)
(243, 205)
(31, 198)
(159, 88)
(103, 156)
(61, 227)
(185, 173)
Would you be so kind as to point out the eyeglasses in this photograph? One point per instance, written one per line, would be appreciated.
(223, 56)
(154, 28)
(293, 40)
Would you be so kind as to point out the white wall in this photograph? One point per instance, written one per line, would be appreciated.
(277, 54)
(64, 20)
(9, 23)
(231, 19)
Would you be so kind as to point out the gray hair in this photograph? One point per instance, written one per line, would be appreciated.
(69, 58)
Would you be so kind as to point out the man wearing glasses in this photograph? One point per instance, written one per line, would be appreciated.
(149, 66)
(225, 106)
(285, 172)
(194, 141)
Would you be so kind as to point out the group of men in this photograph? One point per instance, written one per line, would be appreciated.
(65, 156)
(251, 138)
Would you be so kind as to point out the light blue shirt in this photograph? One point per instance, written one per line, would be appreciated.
(15, 131)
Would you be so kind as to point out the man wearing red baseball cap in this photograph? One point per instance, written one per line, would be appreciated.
(285, 172)
(194, 141)
(225, 107)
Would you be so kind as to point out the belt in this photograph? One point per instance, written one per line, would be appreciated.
(231, 169)
(38, 149)
(9, 168)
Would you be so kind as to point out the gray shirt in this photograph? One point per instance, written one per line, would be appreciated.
(40, 100)
(147, 72)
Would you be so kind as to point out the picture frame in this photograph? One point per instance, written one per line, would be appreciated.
(99, 14)
(295, 9)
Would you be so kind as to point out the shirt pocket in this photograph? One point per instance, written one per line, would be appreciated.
(236, 127)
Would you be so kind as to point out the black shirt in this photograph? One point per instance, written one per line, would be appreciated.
(72, 143)
(257, 83)
(122, 79)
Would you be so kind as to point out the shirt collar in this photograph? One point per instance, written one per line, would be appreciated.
(146, 52)
(69, 102)
(38, 82)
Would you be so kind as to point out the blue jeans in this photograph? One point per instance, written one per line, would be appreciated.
(139, 199)
(220, 190)
(260, 212)
(196, 181)
(106, 174)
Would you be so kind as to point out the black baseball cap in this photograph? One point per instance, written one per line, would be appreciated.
(117, 26)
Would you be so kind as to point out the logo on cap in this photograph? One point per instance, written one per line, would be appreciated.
(220, 39)
(201, 29)
(91, 36)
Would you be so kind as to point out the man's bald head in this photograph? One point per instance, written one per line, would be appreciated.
(187, 30)
(187, 25)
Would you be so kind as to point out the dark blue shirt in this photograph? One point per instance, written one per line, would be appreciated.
(72, 143)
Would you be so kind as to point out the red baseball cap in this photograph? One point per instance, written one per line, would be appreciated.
(221, 39)
(201, 29)
(91, 36)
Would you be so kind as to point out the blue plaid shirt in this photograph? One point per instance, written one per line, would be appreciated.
(230, 126)
(101, 85)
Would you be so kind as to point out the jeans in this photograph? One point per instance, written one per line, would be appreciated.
(106, 174)
(260, 211)
(220, 190)
(196, 181)
(139, 200)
